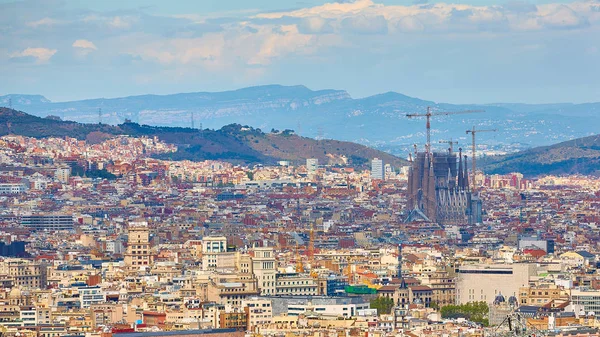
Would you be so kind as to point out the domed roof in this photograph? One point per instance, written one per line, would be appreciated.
(499, 299)
(15, 293)
(512, 300)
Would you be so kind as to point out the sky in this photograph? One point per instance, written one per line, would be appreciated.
(477, 51)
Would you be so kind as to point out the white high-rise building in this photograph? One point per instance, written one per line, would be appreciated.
(377, 169)
(312, 164)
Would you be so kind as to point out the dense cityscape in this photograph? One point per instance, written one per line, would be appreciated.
(299, 168)
(103, 240)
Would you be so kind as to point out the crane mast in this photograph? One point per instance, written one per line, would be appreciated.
(449, 142)
(428, 115)
(473, 132)
(311, 246)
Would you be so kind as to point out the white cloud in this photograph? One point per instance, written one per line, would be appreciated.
(83, 47)
(365, 16)
(330, 10)
(363, 24)
(41, 55)
(239, 46)
(315, 25)
(286, 40)
(409, 24)
(206, 50)
(562, 16)
(84, 44)
(43, 22)
(122, 22)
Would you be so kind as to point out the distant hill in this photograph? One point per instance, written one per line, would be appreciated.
(578, 156)
(234, 142)
(377, 121)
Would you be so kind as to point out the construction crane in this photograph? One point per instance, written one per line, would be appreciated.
(311, 246)
(515, 325)
(299, 265)
(473, 132)
(430, 113)
(449, 142)
(350, 270)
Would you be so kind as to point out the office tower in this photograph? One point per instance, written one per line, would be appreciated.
(377, 169)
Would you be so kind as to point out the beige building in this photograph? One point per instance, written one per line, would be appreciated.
(215, 255)
(231, 290)
(258, 311)
(264, 269)
(483, 282)
(106, 314)
(296, 285)
(62, 174)
(442, 286)
(31, 315)
(24, 273)
(138, 246)
(65, 274)
(541, 294)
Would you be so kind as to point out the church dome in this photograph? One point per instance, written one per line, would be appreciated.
(499, 299)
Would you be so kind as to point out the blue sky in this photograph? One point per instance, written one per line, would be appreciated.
(475, 51)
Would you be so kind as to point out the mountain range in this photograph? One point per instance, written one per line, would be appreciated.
(247, 145)
(577, 156)
(234, 142)
(378, 121)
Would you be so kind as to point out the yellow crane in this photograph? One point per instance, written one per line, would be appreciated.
(349, 271)
(299, 265)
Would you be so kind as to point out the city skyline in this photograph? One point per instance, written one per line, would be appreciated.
(299, 168)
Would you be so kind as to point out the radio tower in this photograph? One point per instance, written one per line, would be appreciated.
(320, 133)
(10, 103)
(192, 119)
(99, 116)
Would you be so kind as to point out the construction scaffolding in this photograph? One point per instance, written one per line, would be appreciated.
(438, 189)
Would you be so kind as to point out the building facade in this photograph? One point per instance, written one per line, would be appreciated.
(483, 282)
(377, 171)
(139, 252)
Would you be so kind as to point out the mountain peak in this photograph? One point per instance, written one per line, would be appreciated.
(23, 99)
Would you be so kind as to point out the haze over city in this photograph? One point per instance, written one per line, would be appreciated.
(274, 168)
